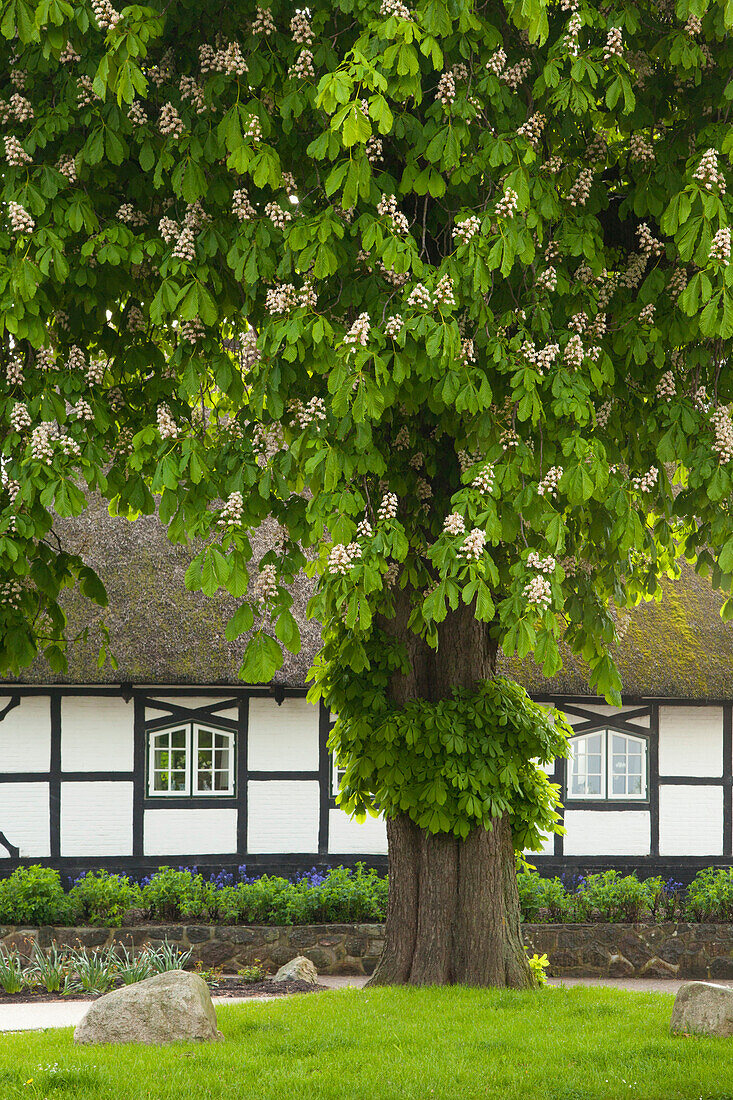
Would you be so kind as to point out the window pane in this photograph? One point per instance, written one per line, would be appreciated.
(635, 784)
(221, 781)
(179, 760)
(204, 781)
(595, 743)
(221, 758)
(178, 781)
(594, 784)
(162, 757)
(618, 745)
(205, 759)
(594, 764)
(161, 740)
(178, 739)
(619, 764)
(619, 784)
(204, 739)
(160, 781)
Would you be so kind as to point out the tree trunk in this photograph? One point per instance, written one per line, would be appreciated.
(453, 906)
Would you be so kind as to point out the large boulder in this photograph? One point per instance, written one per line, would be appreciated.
(168, 1008)
(298, 969)
(703, 1008)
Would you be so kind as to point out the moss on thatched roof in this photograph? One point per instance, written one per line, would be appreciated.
(162, 633)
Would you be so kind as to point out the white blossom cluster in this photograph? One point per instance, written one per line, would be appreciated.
(281, 298)
(508, 204)
(374, 149)
(468, 350)
(496, 62)
(105, 14)
(454, 524)
(614, 44)
(359, 331)
(485, 479)
(666, 386)
(574, 352)
(387, 206)
(301, 29)
(168, 230)
(232, 512)
(42, 439)
(76, 359)
(83, 410)
(305, 415)
(647, 241)
(14, 372)
(193, 331)
(646, 482)
(20, 418)
(396, 279)
(693, 26)
(446, 92)
(21, 108)
(466, 230)
(707, 172)
(635, 268)
(277, 215)
(720, 246)
(185, 248)
(580, 191)
(548, 485)
(191, 89)
(419, 297)
(85, 94)
(516, 74)
(543, 359)
(572, 33)
(69, 55)
(473, 545)
(640, 149)
(263, 23)
(303, 66)
(266, 584)
(542, 565)
(15, 154)
(45, 358)
(249, 352)
(444, 294)
(646, 314)
(267, 440)
(166, 424)
(11, 593)
(95, 371)
(170, 122)
(402, 439)
(137, 113)
(20, 219)
(135, 319)
(538, 592)
(388, 507)
(253, 129)
(394, 326)
(395, 8)
(423, 490)
(532, 129)
(723, 428)
(547, 279)
(603, 413)
(341, 558)
(66, 165)
(579, 321)
(128, 214)
(10, 484)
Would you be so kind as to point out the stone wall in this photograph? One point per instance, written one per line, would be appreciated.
(574, 950)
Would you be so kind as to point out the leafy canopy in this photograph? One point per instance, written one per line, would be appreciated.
(445, 291)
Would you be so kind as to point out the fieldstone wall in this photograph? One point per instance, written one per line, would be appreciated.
(574, 950)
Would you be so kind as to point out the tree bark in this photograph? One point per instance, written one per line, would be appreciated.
(453, 905)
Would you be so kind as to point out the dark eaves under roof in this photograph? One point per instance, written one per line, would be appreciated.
(163, 634)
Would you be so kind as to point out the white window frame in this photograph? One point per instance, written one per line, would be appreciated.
(229, 735)
(606, 795)
(337, 775)
(191, 788)
(152, 737)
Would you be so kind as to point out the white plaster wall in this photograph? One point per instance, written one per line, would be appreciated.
(547, 849)
(25, 735)
(691, 741)
(96, 819)
(607, 833)
(347, 836)
(282, 816)
(282, 738)
(690, 821)
(97, 734)
(604, 711)
(24, 818)
(194, 832)
(192, 702)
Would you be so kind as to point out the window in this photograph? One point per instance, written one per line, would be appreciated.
(190, 759)
(337, 775)
(607, 765)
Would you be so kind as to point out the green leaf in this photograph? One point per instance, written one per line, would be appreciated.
(262, 658)
(240, 622)
(288, 632)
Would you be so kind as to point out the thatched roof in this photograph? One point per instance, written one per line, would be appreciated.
(162, 633)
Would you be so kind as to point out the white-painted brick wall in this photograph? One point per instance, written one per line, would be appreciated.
(607, 833)
(96, 819)
(25, 735)
(282, 738)
(24, 818)
(690, 820)
(691, 741)
(282, 816)
(349, 837)
(97, 734)
(194, 832)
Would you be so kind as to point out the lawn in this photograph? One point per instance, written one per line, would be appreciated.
(396, 1044)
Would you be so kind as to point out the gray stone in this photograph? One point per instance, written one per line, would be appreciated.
(171, 1007)
(703, 1008)
(298, 969)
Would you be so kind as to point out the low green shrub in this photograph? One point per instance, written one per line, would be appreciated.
(33, 895)
(101, 898)
(710, 895)
(179, 895)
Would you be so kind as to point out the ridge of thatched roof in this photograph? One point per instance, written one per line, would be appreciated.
(162, 633)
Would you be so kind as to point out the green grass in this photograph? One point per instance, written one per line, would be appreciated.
(398, 1044)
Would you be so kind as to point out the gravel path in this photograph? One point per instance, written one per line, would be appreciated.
(39, 1015)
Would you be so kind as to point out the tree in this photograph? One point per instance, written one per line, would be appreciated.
(445, 291)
